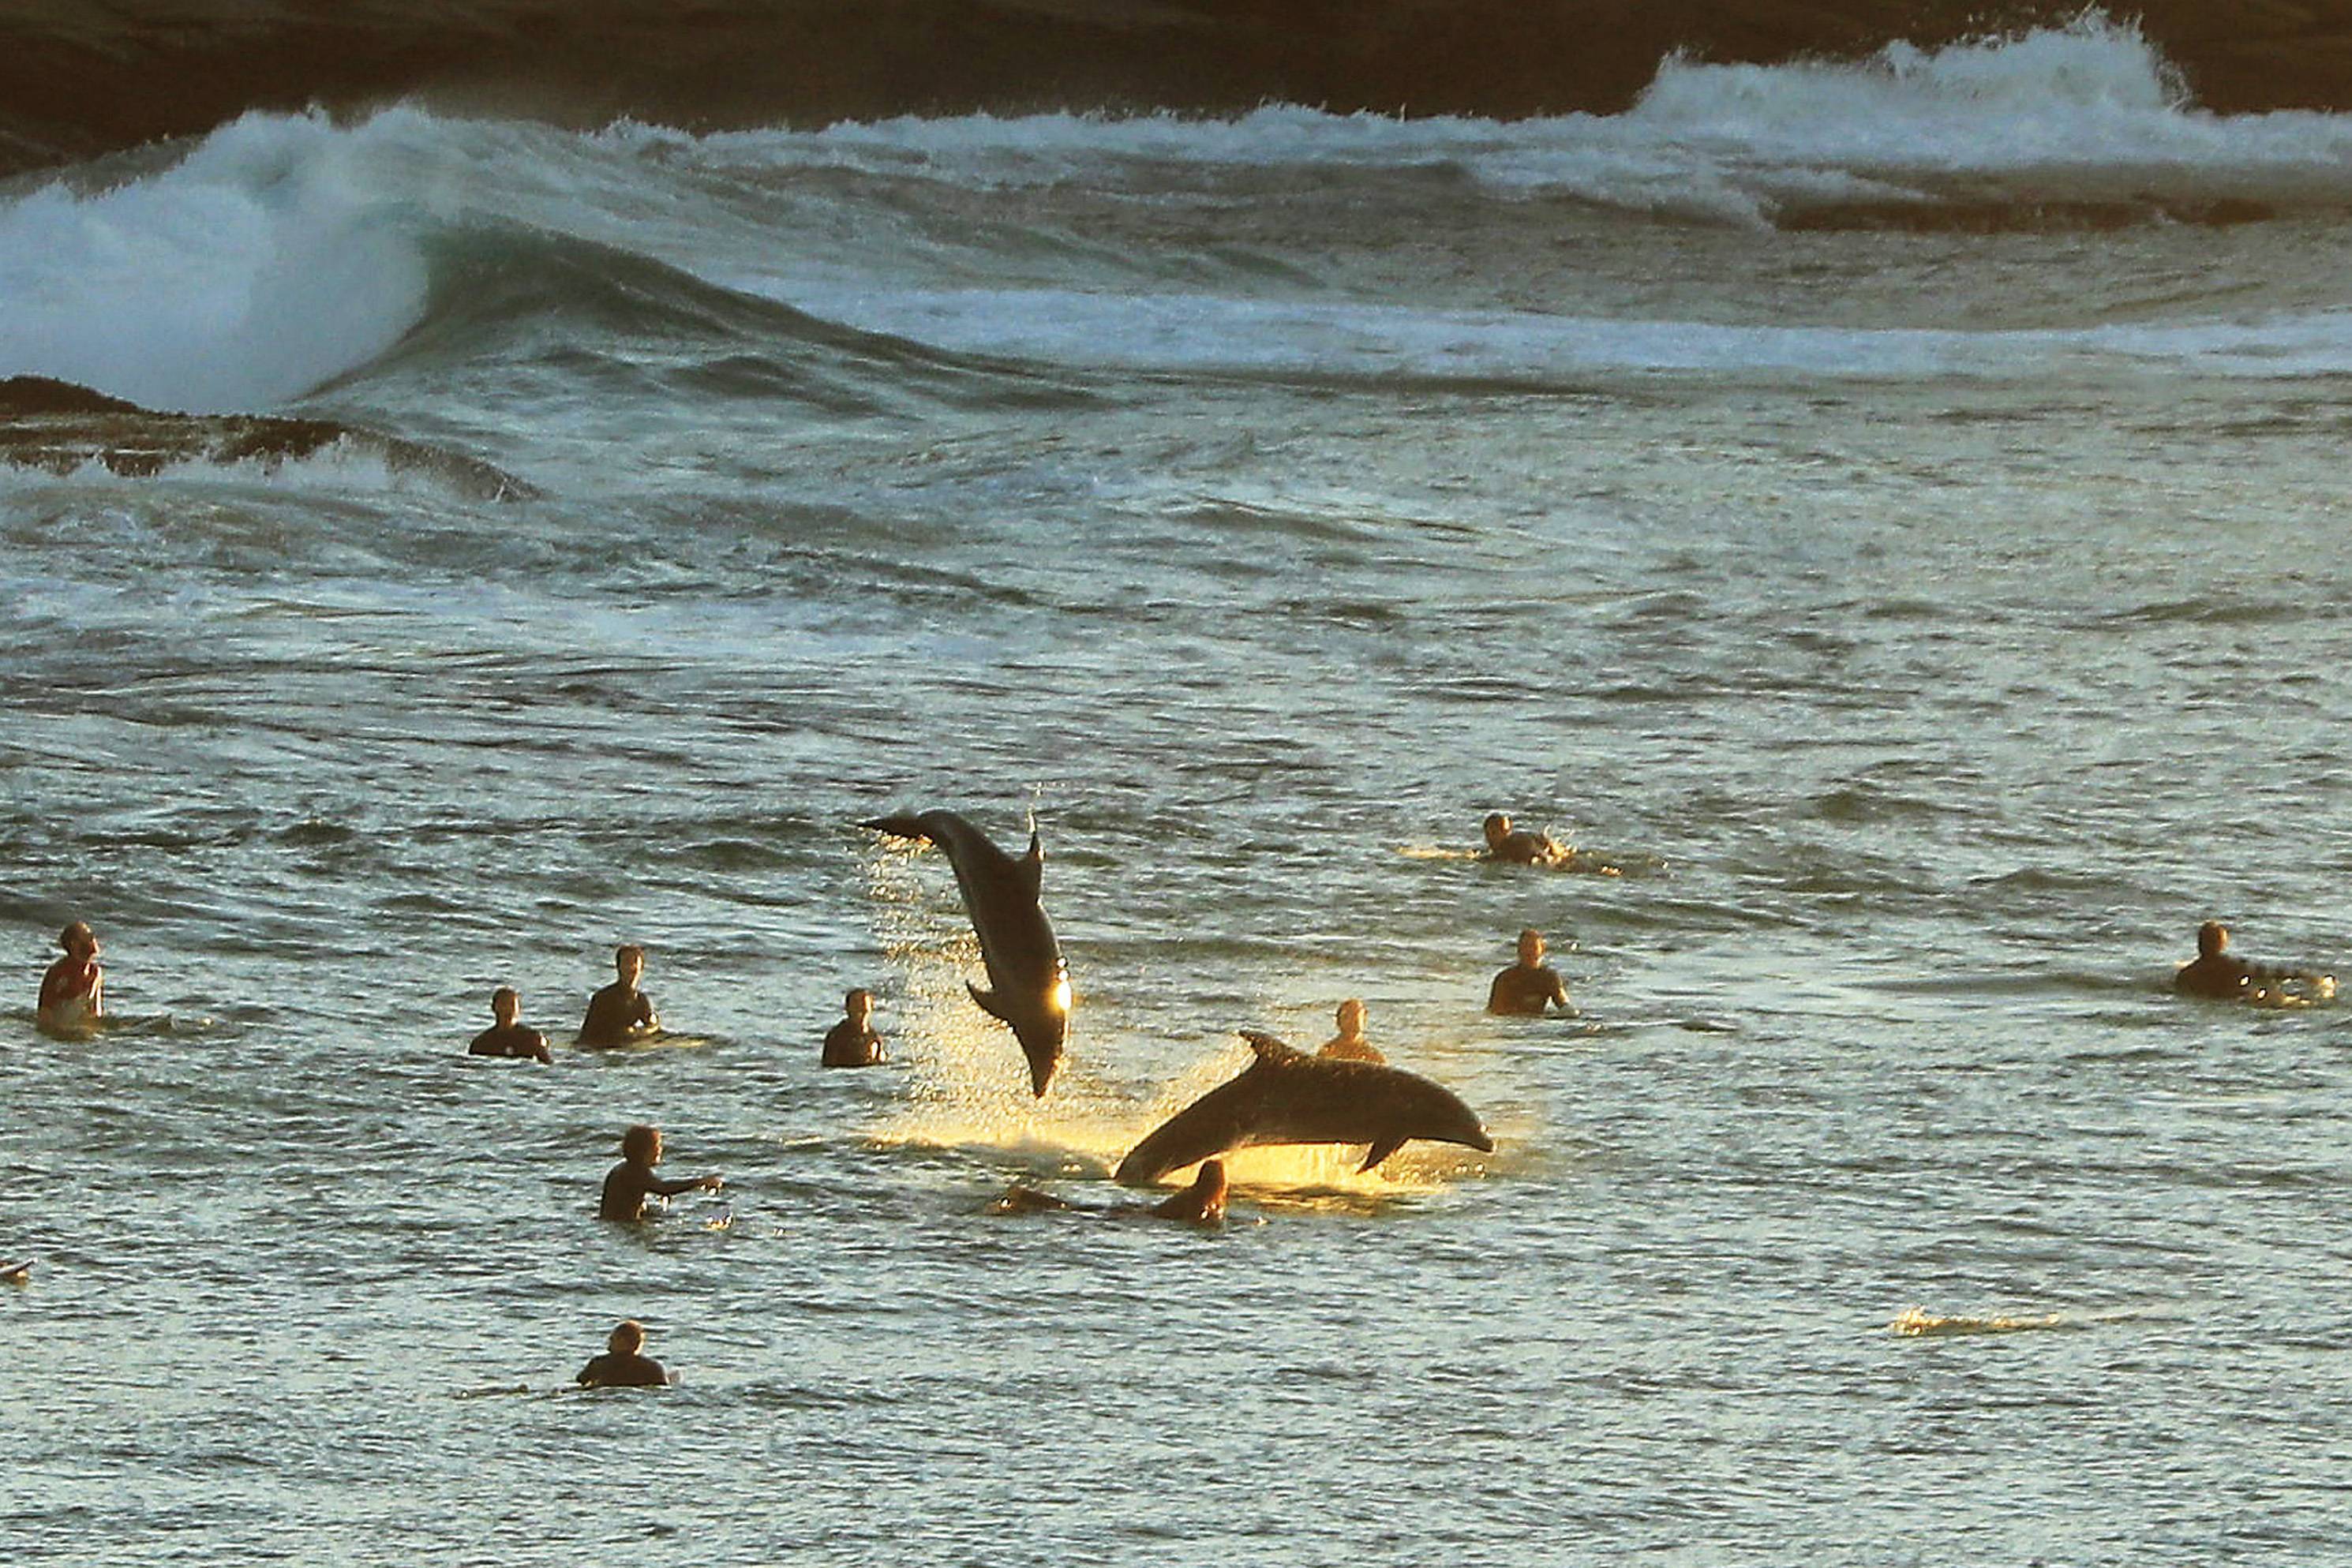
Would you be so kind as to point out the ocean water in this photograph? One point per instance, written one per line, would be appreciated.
(1890, 507)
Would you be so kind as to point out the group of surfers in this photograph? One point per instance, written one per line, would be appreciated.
(72, 1002)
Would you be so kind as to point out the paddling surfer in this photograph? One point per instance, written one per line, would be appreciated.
(630, 1183)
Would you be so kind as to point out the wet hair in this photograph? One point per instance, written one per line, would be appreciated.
(638, 1142)
(849, 1002)
(504, 994)
(1496, 826)
(628, 1337)
(81, 927)
(626, 951)
(2211, 937)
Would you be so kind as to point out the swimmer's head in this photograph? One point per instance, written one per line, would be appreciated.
(629, 962)
(858, 1004)
(1498, 828)
(1531, 946)
(505, 1006)
(2211, 937)
(1351, 1018)
(80, 940)
(628, 1338)
(642, 1144)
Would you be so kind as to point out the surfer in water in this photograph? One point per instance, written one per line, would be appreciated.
(1520, 846)
(73, 992)
(630, 1183)
(1349, 1044)
(1529, 985)
(2218, 973)
(621, 1013)
(624, 1364)
(852, 1042)
(510, 1036)
(1203, 1203)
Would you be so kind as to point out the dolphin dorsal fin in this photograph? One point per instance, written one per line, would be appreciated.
(1271, 1052)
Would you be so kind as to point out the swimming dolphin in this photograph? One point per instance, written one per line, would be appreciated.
(1286, 1096)
(1031, 985)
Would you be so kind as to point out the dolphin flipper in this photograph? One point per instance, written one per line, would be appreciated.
(1380, 1151)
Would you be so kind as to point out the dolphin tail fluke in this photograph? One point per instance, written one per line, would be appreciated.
(1380, 1151)
(899, 827)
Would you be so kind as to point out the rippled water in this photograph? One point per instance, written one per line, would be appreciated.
(1936, 618)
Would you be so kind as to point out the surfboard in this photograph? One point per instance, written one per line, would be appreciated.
(16, 1273)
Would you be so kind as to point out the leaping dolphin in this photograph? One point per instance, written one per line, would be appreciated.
(1286, 1096)
(1030, 985)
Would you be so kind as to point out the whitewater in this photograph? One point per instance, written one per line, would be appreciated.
(1889, 507)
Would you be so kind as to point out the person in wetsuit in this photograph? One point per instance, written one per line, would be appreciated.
(1521, 846)
(620, 1012)
(1203, 1203)
(2218, 973)
(73, 991)
(510, 1036)
(1529, 985)
(630, 1183)
(624, 1364)
(852, 1042)
(1349, 1044)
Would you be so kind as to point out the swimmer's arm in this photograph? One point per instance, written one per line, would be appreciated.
(672, 1189)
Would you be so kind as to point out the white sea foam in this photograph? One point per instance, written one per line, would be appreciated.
(2091, 106)
(254, 269)
(284, 251)
(1207, 334)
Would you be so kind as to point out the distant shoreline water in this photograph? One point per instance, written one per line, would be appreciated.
(75, 84)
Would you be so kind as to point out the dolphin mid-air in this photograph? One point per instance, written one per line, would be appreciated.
(1286, 1096)
(1029, 984)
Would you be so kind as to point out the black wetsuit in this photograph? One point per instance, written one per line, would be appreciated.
(511, 1040)
(614, 1370)
(2212, 975)
(628, 1185)
(1524, 846)
(614, 1013)
(1525, 990)
(2226, 977)
(846, 1045)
